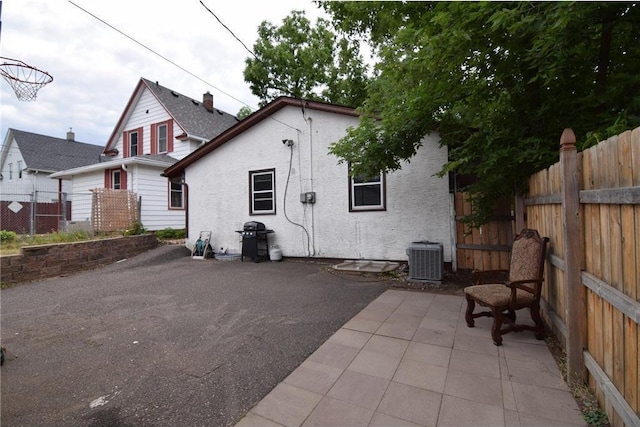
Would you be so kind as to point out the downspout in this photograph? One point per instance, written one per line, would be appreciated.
(186, 207)
(313, 224)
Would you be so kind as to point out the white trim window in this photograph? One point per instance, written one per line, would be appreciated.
(163, 145)
(176, 195)
(133, 144)
(262, 193)
(19, 169)
(367, 193)
(116, 179)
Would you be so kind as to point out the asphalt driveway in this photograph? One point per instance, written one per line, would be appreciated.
(164, 340)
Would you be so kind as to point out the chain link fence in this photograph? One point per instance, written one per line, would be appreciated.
(37, 212)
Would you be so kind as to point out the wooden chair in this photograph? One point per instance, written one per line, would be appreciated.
(521, 290)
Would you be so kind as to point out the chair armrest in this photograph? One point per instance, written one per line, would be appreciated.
(481, 274)
(518, 284)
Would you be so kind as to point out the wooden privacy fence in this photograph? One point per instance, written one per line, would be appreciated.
(588, 204)
(113, 210)
(487, 247)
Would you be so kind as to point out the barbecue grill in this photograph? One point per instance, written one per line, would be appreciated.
(255, 240)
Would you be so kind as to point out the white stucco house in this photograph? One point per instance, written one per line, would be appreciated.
(158, 127)
(274, 167)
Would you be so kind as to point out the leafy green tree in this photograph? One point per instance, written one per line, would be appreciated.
(499, 82)
(244, 111)
(304, 61)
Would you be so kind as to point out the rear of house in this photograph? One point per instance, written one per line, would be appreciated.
(274, 167)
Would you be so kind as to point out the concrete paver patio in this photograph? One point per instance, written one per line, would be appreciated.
(408, 359)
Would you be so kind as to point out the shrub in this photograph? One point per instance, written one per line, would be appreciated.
(135, 230)
(170, 233)
(8, 236)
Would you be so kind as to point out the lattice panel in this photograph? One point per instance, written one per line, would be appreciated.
(113, 210)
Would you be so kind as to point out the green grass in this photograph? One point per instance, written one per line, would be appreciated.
(11, 243)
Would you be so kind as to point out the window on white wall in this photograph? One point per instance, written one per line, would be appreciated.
(262, 191)
(367, 193)
(116, 179)
(133, 144)
(162, 138)
(10, 165)
(176, 195)
(19, 168)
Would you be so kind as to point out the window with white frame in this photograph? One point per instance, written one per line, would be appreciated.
(10, 165)
(262, 191)
(367, 193)
(19, 168)
(133, 144)
(162, 139)
(176, 195)
(116, 179)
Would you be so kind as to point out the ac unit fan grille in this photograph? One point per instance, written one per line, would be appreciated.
(425, 263)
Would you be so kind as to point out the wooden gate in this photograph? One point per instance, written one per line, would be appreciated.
(487, 247)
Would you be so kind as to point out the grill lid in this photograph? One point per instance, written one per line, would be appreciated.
(253, 226)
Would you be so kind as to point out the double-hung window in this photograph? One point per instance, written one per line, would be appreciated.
(176, 195)
(133, 144)
(116, 179)
(262, 193)
(162, 138)
(367, 193)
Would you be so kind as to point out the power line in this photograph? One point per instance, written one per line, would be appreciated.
(230, 32)
(156, 53)
(175, 64)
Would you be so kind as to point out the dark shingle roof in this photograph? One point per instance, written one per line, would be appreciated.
(46, 153)
(191, 114)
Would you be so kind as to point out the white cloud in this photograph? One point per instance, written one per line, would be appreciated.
(95, 68)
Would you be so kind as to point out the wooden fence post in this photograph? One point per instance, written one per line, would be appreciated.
(519, 213)
(573, 246)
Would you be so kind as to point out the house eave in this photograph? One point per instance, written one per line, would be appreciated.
(250, 121)
(70, 173)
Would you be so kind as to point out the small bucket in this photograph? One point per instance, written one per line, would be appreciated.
(275, 253)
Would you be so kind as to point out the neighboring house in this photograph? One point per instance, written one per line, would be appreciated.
(27, 160)
(267, 168)
(157, 128)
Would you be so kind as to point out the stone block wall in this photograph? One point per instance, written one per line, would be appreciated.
(42, 261)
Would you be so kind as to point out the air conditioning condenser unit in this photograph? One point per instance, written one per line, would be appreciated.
(425, 261)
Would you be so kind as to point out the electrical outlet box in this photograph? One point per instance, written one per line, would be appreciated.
(308, 197)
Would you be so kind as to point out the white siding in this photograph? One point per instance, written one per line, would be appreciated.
(82, 195)
(154, 192)
(146, 112)
(418, 204)
(21, 189)
(146, 182)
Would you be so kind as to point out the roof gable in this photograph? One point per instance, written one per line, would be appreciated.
(190, 115)
(264, 113)
(194, 118)
(49, 154)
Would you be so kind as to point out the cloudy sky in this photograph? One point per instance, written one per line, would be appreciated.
(95, 68)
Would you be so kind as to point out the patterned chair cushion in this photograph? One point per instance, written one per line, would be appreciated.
(524, 254)
(497, 295)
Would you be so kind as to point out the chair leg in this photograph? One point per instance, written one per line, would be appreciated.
(535, 316)
(497, 325)
(468, 315)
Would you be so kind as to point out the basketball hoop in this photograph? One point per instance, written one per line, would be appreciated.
(24, 79)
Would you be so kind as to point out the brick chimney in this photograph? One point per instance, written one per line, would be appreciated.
(70, 135)
(207, 101)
